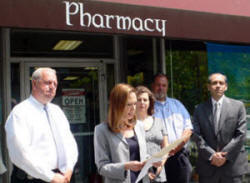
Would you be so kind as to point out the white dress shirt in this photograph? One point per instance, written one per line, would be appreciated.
(30, 141)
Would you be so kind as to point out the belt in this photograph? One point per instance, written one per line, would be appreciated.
(20, 174)
(30, 177)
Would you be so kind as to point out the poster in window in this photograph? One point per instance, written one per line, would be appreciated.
(74, 105)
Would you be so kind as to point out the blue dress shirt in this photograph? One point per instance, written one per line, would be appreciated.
(176, 117)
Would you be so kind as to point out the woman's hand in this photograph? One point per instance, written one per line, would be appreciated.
(157, 164)
(158, 171)
(134, 165)
(151, 175)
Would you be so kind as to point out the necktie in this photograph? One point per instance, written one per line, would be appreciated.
(58, 141)
(216, 116)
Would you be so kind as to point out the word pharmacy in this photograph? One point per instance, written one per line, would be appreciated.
(106, 21)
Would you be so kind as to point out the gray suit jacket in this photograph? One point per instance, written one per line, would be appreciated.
(112, 151)
(230, 137)
(2, 167)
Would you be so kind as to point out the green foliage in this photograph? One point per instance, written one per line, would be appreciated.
(189, 79)
(136, 80)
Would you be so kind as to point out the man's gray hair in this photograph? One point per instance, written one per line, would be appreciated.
(209, 77)
(37, 74)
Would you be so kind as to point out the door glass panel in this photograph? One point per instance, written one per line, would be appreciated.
(15, 84)
(78, 96)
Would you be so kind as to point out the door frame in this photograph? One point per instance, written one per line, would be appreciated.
(25, 87)
(102, 88)
(24, 62)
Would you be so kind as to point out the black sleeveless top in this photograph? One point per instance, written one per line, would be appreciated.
(134, 153)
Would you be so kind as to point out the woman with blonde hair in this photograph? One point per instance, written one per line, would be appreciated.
(120, 146)
(156, 134)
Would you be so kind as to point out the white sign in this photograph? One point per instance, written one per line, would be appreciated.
(74, 105)
(73, 100)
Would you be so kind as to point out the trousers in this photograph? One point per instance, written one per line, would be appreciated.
(178, 167)
(19, 176)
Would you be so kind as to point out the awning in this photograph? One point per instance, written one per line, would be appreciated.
(119, 17)
(225, 7)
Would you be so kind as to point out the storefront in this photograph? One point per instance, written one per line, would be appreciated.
(95, 44)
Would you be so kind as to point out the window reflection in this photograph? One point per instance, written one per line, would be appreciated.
(138, 62)
(188, 64)
(187, 70)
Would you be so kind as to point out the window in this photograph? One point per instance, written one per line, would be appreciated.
(188, 64)
(43, 44)
(187, 71)
(139, 63)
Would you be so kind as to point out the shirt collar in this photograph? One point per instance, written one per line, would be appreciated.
(36, 102)
(160, 102)
(219, 101)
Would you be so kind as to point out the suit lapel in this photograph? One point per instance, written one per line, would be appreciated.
(209, 113)
(123, 139)
(223, 113)
(140, 141)
(137, 133)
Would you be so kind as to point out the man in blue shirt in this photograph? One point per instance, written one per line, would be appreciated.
(178, 124)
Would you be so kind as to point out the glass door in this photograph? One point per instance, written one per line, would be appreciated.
(79, 97)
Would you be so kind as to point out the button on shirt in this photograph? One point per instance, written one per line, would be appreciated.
(30, 141)
(176, 117)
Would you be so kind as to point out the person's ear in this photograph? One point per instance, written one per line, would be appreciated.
(226, 87)
(33, 82)
(208, 87)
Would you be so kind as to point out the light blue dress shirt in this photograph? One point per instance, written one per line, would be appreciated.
(176, 117)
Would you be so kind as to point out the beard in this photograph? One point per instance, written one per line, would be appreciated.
(161, 96)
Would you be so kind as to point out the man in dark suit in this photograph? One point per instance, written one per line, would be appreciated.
(220, 134)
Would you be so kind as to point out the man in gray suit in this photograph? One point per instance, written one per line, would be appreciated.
(2, 167)
(220, 134)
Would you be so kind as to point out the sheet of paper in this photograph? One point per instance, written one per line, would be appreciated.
(157, 157)
(145, 168)
(167, 149)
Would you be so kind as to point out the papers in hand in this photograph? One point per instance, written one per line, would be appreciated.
(157, 157)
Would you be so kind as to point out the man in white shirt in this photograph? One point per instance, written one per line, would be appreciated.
(220, 134)
(40, 143)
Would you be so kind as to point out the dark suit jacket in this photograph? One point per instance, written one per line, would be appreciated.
(230, 137)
